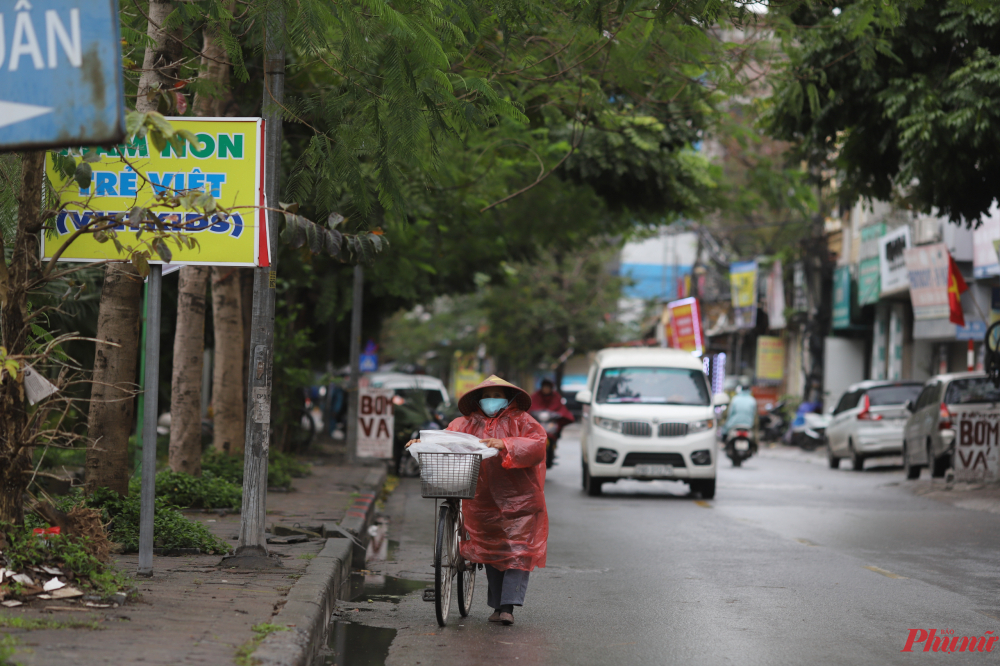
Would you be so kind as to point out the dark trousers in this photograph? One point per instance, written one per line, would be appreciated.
(506, 588)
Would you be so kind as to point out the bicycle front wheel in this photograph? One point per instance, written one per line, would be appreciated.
(444, 563)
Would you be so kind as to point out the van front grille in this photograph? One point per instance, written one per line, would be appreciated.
(637, 429)
(673, 429)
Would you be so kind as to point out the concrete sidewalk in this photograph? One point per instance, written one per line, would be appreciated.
(192, 611)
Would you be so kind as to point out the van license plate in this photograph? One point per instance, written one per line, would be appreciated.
(654, 470)
(742, 445)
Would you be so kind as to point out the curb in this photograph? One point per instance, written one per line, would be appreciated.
(313, 597)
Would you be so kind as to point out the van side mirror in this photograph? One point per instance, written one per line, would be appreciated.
(909, 406)
(584, 397)
(720, 399)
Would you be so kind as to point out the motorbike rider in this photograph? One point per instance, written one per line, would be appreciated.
(742, 412)
(547, 398)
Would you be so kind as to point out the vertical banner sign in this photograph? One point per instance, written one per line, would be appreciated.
(928, 269)
(375, 422)
(770, 360)
(60, 74)
(880, 341)
(743, 285)
(894, 367)
(227, 163)
(842, 297)
(465, 375)
(686, 332)
(869, 265)
(776, 296)
(985, 262)
(892, 249)
(976, 448)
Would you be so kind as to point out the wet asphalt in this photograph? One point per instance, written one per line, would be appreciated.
(791, 563)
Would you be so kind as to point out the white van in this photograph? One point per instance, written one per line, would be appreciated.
(648, 414)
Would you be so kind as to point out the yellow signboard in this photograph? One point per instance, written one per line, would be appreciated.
(770, 359)
(227, 163)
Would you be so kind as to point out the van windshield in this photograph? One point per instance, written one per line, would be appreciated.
(659, 386)
(970, 391)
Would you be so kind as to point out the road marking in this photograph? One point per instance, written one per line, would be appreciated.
(887, 574)
(703, 504)
(807, 542)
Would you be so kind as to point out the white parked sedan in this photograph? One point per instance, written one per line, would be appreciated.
(868, 421)
(930, 430)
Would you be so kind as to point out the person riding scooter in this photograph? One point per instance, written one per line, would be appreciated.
(548, 409)
(740, 426)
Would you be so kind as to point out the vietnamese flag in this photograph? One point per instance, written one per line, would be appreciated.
(956, 287)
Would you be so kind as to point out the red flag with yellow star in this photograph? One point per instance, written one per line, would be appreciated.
(956, 287)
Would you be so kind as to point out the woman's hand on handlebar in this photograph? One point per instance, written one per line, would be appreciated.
(412, 441)
(493, 444)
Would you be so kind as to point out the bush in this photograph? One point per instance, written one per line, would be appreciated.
(205, 492)
(73, 555)
(281, 467)
(171, 529)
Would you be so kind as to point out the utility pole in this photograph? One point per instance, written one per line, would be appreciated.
(251, 551)
(352, 386)
(147, 494)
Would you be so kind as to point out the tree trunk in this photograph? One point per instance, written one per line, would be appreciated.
(15, 455)
(189, 357)
(111, 398)
(227, 377)
(111, 414)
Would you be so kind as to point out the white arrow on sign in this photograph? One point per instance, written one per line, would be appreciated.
(15, 112)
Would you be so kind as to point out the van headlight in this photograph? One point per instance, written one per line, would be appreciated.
(699, 426)
(608, 424)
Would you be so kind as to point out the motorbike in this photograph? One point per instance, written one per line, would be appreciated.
(773, 423)
(740, 445)
(809, 432)
(550, 422)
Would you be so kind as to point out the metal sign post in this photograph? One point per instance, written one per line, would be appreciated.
(152, 378)
(352, 386)
(60, 74)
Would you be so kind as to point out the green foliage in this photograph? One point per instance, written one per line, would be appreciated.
(10, 185)
(171, 529)
(193, 492)
(902, 98)
(23, 623)
(281, 468)
(73, 555)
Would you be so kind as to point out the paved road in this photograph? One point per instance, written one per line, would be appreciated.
(791, 563)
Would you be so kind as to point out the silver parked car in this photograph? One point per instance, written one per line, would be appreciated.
(930, 436)
(868, 421)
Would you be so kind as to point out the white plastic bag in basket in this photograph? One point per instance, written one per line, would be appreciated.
(446, 441)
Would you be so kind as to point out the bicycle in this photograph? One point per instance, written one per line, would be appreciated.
(451, 477)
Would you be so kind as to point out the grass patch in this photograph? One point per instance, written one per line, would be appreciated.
(40, 623)
(244, 656)
(307, 556)
(7, 645)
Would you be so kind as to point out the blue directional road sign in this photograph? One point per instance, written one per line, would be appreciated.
(368, 363)
(60, 74)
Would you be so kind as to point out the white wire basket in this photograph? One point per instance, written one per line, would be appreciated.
(449, 475)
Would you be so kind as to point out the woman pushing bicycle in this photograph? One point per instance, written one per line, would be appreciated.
(507, 522)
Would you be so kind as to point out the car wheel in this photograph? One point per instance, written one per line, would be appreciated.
(857, 460)
(831, 459)
(938, 466)
(704, 487)
(590, 484)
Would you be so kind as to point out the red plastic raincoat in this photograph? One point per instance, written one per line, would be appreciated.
(551, 403)
(507, 520)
